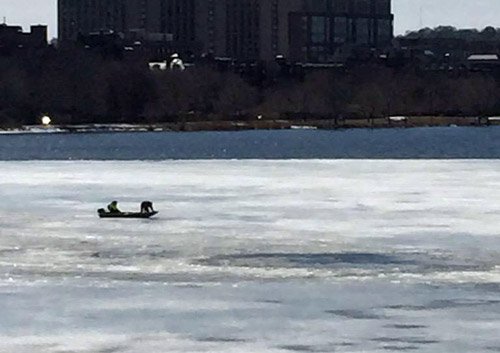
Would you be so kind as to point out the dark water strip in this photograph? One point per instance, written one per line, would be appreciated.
(417, 143)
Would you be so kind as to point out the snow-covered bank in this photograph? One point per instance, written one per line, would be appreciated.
(263, 124)
(36, 129)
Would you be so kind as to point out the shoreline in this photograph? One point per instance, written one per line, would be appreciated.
(278, 124)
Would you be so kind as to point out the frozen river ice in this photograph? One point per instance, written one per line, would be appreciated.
(251, 256)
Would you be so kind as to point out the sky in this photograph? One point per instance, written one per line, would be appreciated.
(409, 14)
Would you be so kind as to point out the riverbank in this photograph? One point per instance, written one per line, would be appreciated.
(262, 124)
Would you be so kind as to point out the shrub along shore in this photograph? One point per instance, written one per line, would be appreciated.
(264, 124)
(76, 87)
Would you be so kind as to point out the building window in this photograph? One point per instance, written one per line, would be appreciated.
(340, 30)
(384, 31)
(363, 31)
(319, 29)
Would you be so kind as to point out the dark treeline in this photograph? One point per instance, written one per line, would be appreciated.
(76, 87)
(450, 32)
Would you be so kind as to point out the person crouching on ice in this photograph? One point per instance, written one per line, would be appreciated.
(147, 207)
(113, 207)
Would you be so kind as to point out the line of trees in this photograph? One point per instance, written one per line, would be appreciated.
(470, 34)
(77, 87)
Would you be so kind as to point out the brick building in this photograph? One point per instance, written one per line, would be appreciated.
(250, 30)
(13, 38)
(328, 30)
(301, 30)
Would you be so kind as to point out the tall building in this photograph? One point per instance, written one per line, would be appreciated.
(318, 31)
(87, 16)
(327, 30)
(243, 24)
(246, 30)
(250, 30)
(301, 30)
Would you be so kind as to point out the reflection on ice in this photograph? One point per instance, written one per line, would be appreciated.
(251, 256)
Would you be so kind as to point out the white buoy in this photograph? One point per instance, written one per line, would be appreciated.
(46, 120)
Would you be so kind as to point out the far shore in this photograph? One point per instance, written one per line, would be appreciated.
(264, 124)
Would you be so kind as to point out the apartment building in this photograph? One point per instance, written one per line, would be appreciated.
(246, 30)
(13, 38)
(87, 16)
(328, 30)
(301, 30)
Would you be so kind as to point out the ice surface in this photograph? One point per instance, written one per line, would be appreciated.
(251, 256)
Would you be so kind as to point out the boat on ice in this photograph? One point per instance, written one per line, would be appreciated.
(144, 215)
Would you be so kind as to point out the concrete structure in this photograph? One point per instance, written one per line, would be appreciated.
(13, 38)
(246, 30)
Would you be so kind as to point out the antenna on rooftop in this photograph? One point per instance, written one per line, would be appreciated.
(4, 20)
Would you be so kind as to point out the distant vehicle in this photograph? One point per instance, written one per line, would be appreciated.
(176, 64)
